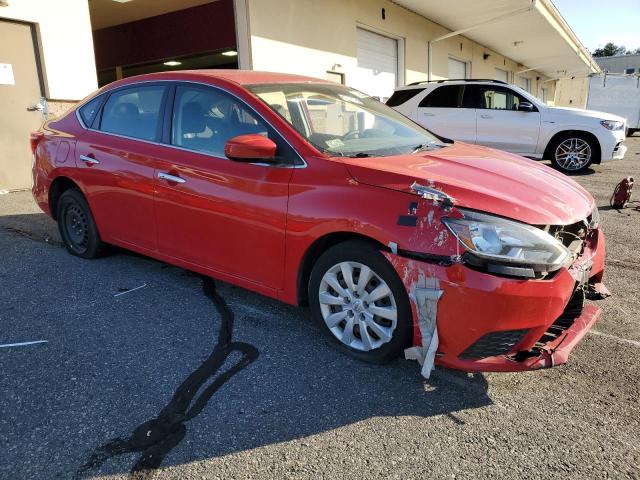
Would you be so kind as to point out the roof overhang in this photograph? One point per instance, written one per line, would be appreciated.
(530, 32)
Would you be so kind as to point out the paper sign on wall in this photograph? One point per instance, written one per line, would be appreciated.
(6, 74)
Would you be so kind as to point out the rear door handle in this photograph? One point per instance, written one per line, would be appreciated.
(170, 178)
(428, 114)
(89, 160)
(484, 115)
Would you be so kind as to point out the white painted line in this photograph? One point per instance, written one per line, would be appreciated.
(7, 345)
(129, 291)
(619, 339)
(4, 192)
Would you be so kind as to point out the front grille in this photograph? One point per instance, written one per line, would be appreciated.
(572, 311)
(494, 343)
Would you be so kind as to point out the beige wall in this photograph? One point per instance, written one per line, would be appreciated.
(310, 37)
(65, 43)
(572, 92)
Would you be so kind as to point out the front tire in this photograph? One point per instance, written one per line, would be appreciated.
(360, 303)
(77, 226)
(573, 152)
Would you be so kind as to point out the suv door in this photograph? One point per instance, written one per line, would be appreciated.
(500, 124)
(116, 162)
(444, 111)
(221, 214)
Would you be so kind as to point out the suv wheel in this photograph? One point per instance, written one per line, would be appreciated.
(77, 227)
(572, 152)
(360, 303)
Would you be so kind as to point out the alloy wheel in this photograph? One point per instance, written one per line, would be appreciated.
(573, 154)
(357, 306)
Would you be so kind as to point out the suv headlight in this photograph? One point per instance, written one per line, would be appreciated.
(612, 124)
(500, 241)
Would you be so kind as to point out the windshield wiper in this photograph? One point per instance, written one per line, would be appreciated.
(425, 146)
(360, 155)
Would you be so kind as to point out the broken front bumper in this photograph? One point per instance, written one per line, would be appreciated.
(482, 322)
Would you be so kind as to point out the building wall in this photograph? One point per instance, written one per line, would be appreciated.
(308, 40)
(572, 92)
(619, 63)
(65, 44)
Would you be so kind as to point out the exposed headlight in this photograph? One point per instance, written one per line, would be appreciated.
(612, 125)
(595, 218)
(501, 241)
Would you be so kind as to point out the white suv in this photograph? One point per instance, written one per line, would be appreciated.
(503, 116)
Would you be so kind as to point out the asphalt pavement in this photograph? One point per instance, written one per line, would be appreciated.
(145, 370)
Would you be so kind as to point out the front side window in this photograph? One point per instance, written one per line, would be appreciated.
(447, 96)
(495, 98)
(344, 122)
(133, 112)
(205, 118)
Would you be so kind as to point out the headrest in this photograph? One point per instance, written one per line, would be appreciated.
(125, 109)
(193, 120)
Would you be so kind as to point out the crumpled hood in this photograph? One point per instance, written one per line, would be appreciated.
(483, 179)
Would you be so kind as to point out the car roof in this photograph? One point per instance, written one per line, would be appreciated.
(240, 77)
(438, 83)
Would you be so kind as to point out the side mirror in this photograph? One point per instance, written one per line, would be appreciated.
(250, 148)
(525, 107)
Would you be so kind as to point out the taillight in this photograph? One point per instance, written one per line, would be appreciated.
(35, 139)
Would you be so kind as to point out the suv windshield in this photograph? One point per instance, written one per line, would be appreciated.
(344, 122)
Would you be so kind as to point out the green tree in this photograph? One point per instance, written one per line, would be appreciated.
(609, 50)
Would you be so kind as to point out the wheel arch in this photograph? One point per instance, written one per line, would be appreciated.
(562, 133)
(317, 248)
(58, 187)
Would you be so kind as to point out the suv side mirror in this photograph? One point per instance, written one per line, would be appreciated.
(250, 148)
(525, 107)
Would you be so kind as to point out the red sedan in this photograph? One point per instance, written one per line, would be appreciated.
(313, 193)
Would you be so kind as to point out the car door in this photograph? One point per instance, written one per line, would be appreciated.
(499, 122)
(217, 213)
(443, 112)
(116, 162)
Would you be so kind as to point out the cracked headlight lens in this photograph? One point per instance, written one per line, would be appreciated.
(505, 241)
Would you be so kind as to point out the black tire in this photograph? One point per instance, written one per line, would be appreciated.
(369, 255)
(553, 151)
(77, 226)
(631, 131)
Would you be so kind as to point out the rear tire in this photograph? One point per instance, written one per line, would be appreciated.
(572, 152)
(369, 320)
(77, 226)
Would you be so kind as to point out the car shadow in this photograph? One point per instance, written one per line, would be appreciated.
(295, 386)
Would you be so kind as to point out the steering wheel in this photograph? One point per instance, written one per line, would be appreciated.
(351, 134)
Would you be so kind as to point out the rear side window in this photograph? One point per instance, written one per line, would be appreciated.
(403, 96)
(447, 96)
(133, 112)
(89, 110)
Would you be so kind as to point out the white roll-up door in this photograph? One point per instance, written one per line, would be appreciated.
(502, 75)
(457, 69)
(377, 72)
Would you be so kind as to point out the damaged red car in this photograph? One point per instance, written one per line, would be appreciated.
(400, 242)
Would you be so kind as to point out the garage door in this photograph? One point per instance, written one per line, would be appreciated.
(502, 75)
(377, 72)
(457, 68)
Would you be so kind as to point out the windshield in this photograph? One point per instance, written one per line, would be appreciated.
(344, 122)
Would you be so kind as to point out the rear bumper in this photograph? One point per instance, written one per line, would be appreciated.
(533, 324)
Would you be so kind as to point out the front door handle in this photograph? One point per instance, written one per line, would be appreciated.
(89, 160)
(170, 178)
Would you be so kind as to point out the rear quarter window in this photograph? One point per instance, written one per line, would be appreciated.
(89, 110)
(447, 96)
(403, 96)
